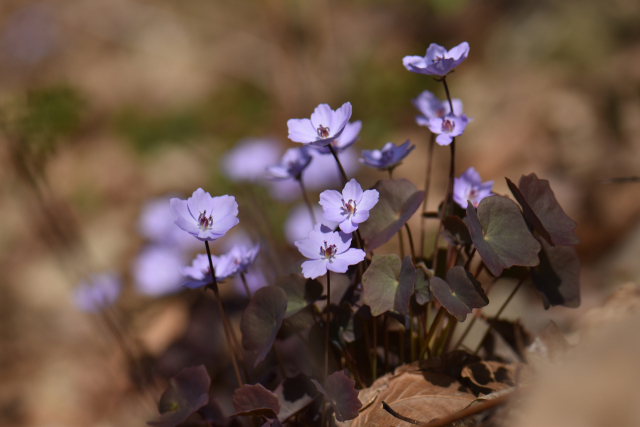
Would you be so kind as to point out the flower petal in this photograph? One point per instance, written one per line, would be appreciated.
(199, 203)
(347, 226)
(314, 268)
(301, 130)
(368, 200)
(330, 198)
(322, 116)
(340, 118)
(352, 256)
(444, 139)
(352, 191)
(308, 248)
(459, 52)
(224, 206)
(223, 225)
(334, 214)
(180, 209)
(413, 62)
(360, 217)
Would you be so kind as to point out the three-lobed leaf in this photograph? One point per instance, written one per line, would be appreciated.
(542, 210)
(500, 234)
(186, 393)
(399, 200)
(262, 319)
(255, 400)
(557, 277)
(388, 284)
(340, 392)
(460, 293)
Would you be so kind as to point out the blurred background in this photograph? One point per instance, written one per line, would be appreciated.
(109, 107)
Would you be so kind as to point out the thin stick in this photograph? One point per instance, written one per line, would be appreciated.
(214, 286)
(246, 286)
(495, 319)
(326, 335)
(412, 341)
(375, 349)
(432, 331)
(335, 156)
(385, 335)
(426, 193)
(453, 322)
(413, 249)
(306, 199)
(401, 243)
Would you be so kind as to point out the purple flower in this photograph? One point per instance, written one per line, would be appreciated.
(249, 158)
(325, 125)
(437, 61)
(470, 187)
(294, 161)
(298, 222)
(156, 224)
(243, 257)
(327, 250)
(198, 274)
(430, 106)
(206, 217)
(156, 271)
(348, 137)
(389, 157)
(349, 208)
(448, 127)
(100, 292)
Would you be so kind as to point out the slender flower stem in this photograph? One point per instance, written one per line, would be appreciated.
(495, 319)
(451, 327)
(390, 173)
(246, 286)
(374, 367)
(412, 341)
(306, 199)
(401, 243)
(326, 334)
(413, 249)
(335, 156)
(426, 193)
(432, 331)
(385, 335)
(475, 317)
(225, 323)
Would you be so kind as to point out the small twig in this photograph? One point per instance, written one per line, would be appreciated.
(413, 249)
(335, 156)
(399, 416)
(306, 199)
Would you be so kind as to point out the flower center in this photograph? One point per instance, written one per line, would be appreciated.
(329, 251)
(349, 208)
(448, 126)
(440, 112)
(323, 132)
(437, 59)
(205, 222)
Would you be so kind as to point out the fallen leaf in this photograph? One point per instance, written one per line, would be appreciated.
(255, 400)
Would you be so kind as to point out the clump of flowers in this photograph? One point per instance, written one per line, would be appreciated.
(349, 208)
(205, 217)
(324, 126)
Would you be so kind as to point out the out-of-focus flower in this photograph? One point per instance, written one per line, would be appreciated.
(470, 187)
(294, 161)
(430, 106)
(236, 261)
(101, 291)
(448, 127)
(156, 271)
(438, 61)
(349, 208)
(299, 223)
(327, 250)
(243, 257)
(348, 137)
(249, 158)
(157, 224)
(206, 217)
(389, 157)
(324, 126)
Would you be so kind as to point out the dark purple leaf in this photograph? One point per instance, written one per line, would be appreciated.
(455, 231)
(542, 210)
(557, 278)
(422, 291)
(255, 400)
(388, 284)
(187, 392)
(294, 395)
(500, 234)
(341, 394)
(262, 319)
(399, 199)
(300, 292)
(460, 293)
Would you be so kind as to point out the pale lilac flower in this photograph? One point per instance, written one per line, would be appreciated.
(437, 61)
(349, 208)
(294, 161)
(324, 126)
(431, 106)
(299, 223)
(327, 250)
(243, 257)
(156, 271)
(206, 217)
(249, 158)
(387, 158)
(448, 127)
(348, 137)
(470, 187)
(157, 225)
(198, 274)
(101, 291)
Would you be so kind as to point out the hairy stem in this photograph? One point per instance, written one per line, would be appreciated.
(225, 323)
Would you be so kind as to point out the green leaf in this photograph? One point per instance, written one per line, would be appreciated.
(300, 292)
(388, 284)
(557, 278)
(262, 319)
(542, 210)
(399, 199)
(460, 293)
(500, 234)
